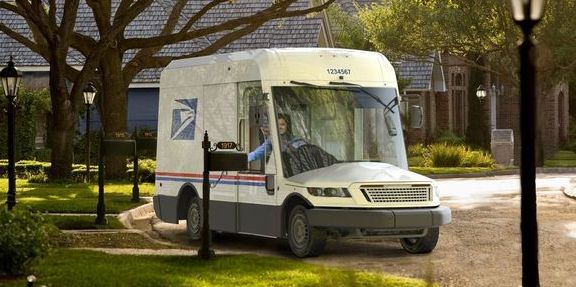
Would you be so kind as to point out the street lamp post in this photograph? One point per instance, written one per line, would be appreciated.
(11, 78)
(526, 14)
(481, 93)
(89, 93)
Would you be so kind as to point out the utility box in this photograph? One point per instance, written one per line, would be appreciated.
(502, 146)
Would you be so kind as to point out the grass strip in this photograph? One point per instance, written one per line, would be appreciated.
(75, 222)
(75, 197)
(89, 268)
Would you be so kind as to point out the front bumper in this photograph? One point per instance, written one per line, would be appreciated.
(380, 218)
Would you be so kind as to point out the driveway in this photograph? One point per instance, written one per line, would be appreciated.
(481, 247)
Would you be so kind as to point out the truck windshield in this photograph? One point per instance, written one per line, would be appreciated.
(320, 126)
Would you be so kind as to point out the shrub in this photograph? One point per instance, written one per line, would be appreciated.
(416, 150)
(444, 155)
(31, 104)
(43, 155)
(146, 170)
(79, 173)
(449, 139)
(37, 178)
(24, 238)
(476, 158)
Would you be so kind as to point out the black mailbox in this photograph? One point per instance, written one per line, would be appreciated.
(119, 147)
(228, 161)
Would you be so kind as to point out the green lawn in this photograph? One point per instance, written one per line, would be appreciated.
(563, 158)
(450, 170)
(88, 268)
(76, 197)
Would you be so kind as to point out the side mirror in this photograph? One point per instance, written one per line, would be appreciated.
(270, 184)
(416, 117)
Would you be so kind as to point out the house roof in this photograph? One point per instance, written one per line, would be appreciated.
(291, 32)
(424, 73)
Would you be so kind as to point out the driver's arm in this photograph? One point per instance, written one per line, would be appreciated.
(260, 151)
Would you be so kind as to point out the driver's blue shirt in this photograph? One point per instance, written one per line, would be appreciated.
(260, 151)
(266, 147)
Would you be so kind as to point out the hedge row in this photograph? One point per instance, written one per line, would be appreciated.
(37, 172)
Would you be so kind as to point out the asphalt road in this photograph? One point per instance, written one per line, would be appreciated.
(481, 247)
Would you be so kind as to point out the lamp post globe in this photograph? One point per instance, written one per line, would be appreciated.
(89, 93)
(481, 93)
(526, 14)
(11, 78)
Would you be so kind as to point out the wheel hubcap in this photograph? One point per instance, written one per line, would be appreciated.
(300, 231)
(194, 219)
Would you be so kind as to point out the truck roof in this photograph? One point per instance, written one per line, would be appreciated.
(312, 65)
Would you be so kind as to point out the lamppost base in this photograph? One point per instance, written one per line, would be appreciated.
(10, 204)
(101, 220)
(206, 253)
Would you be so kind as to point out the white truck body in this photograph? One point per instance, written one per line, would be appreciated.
(342, 105)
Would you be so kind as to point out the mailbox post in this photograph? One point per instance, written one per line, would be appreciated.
(114, 147)
(215, 161)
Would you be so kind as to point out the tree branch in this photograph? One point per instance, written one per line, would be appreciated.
(200, 14)
(274, 12)
(138, 64)
(24, 41)
(101, 9)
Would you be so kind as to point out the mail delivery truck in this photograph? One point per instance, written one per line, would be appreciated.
(323, 132)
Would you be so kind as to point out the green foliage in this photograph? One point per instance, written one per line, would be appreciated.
(416, 150)
(476, 158)
(80, 148)
(42, 155)
(23, 239)
(449, 138)
(563, 158)
(146, 170)
(30, 105)
(72, 197)
(83, 268)
(37, 178)
(349, 32)
(444, 155)
(449, 155)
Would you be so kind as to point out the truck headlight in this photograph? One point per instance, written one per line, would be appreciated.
(329, 192)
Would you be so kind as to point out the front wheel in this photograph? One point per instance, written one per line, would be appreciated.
(194, 219)
(304, 240)
(421, 245)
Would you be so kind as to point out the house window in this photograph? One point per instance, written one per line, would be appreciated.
(458, 79)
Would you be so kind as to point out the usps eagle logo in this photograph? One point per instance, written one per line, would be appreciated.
(184, 119)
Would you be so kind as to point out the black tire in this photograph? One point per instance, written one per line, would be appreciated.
(304, 240)
(421, 245)
(194, 219)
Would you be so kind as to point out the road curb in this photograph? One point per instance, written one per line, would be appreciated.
(515, 171)
(569, 190)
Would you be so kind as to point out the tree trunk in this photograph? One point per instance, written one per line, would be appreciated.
(114, 106)
(64, 117)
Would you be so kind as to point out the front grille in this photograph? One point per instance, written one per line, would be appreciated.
(397, 193)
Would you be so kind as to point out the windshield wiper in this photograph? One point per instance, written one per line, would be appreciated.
(305, 84)
(360, 88)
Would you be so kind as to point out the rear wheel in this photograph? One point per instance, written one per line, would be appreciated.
(421, 245)
(194, 219)
(304, 240)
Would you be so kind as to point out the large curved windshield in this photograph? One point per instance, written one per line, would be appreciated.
(328, 125)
